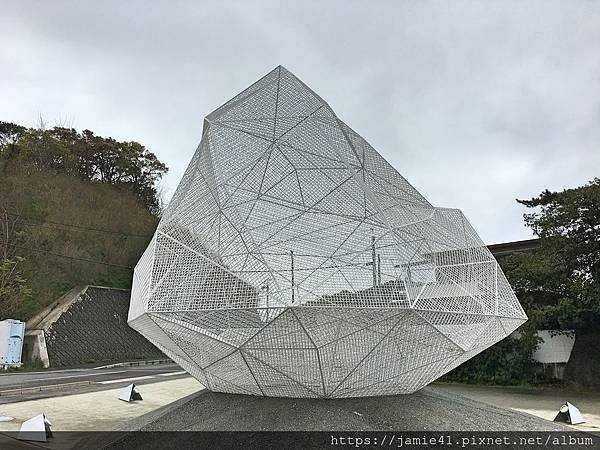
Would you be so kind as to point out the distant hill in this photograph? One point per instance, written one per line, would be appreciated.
(61, 225)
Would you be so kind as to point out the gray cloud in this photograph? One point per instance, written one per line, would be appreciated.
(475, 103)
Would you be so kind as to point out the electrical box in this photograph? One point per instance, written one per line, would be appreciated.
(12, 333)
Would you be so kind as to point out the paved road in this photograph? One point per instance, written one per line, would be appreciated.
(18, 380)
(18, 386)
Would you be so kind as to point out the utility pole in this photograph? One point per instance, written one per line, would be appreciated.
(265, 288)
(373, 260)
(292, 257)
(379, 269)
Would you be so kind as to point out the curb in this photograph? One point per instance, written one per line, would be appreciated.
(135, 363)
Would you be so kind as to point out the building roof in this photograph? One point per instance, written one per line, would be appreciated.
(506, 248)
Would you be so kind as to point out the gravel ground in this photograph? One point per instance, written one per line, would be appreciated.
(429, 409)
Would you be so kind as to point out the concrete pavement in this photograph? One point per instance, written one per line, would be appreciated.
(540, 402)
(97, 411)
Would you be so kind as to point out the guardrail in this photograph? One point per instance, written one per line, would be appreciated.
(136, 363)
(49, 387)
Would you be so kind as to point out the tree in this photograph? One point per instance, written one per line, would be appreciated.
(13, 287)
(558, 286)
(10, 133)
(87, 156)
(560, 282)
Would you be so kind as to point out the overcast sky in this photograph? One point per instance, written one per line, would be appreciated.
(475, 103)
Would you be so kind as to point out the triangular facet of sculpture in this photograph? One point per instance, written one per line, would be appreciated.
(294, 260)
(130, 393)
(35, 429)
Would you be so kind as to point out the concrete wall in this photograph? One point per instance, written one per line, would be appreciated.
(556, 347)
(553, 354)
(87, 325)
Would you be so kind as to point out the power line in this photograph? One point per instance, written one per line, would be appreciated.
(77, 227)
(71, 257)
(82, 229)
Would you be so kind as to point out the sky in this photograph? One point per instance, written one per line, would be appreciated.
(474, 103)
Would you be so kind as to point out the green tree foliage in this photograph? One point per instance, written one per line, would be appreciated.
(87, 156)
(13, 287)
(506, 363)
(10, 133)
(567, 265)
(70, 202)
(558, 285)
(561, 280)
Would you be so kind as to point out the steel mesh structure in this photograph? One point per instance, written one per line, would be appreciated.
(294, 261)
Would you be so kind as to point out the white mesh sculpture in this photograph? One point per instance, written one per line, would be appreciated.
(294, 261)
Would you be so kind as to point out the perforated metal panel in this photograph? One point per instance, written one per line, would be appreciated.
(294, 260)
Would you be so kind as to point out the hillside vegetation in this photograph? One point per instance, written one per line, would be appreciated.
(74, 209)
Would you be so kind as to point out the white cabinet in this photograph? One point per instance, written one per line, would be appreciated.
(11, 342)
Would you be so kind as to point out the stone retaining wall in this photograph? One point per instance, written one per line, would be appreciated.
(90, 327)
